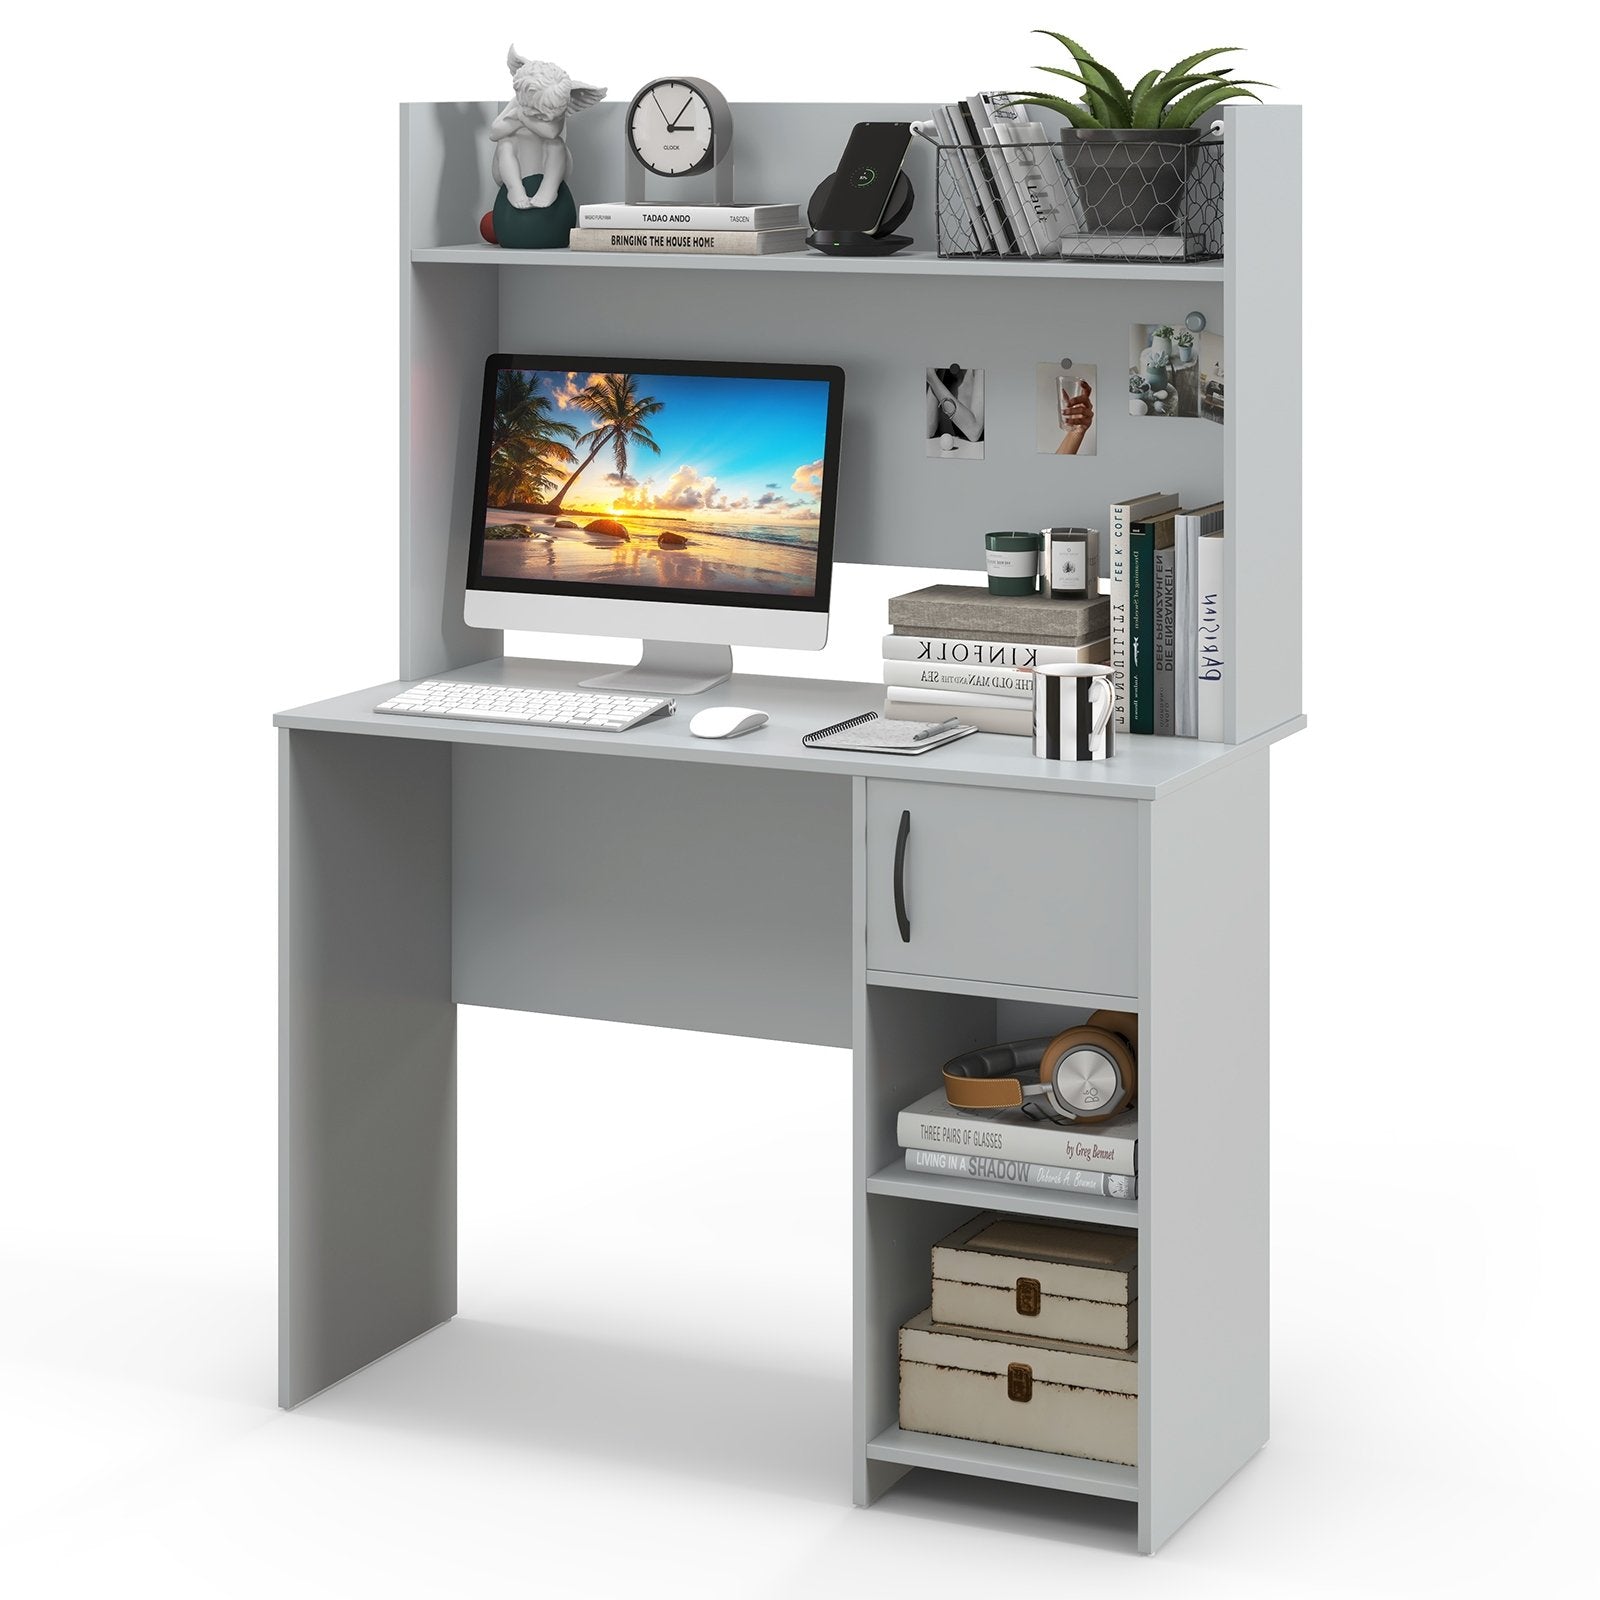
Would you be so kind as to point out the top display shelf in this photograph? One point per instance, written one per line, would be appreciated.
(908, 262)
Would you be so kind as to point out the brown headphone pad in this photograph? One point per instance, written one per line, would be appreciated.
(1123, 1023)
(1099, 1038)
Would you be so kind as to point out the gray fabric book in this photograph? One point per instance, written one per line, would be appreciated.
(970, 611)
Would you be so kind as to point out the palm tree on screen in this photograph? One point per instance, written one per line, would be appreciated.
(526, 444)
(620, 412)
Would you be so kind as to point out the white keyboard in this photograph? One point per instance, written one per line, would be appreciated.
(531, 708)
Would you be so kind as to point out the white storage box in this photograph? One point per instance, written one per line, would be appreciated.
(1011, 1389)
(1049, 1280)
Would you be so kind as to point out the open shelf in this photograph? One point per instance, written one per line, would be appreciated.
(907, 263)
(1020, 1198)
(1005, 1462)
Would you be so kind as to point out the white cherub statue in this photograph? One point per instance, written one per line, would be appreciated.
(527, 135)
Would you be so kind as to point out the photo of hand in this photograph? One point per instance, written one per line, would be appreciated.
(1064, 406)
(953, 412)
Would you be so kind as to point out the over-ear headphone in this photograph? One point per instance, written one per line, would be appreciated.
(1080, 1075)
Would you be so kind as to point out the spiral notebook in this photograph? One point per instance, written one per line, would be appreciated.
(869, 731)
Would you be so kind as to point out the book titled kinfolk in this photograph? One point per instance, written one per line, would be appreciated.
(720, 219)
(690, 242)
(1028, 1174)
(931, 1123)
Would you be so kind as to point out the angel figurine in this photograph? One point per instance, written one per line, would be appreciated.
(527, 135)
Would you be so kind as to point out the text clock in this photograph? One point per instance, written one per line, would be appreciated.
(677, 128)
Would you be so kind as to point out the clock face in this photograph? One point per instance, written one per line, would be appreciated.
(669, 128)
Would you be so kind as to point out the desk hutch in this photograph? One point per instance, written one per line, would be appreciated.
(395, 909)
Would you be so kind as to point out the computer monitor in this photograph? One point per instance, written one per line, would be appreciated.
(686, 503)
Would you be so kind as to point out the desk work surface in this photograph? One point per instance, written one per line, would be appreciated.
(1142, 769)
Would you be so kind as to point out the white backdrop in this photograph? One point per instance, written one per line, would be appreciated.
(199, 512)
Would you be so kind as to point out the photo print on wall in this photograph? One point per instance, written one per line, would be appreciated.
(1065, 393)
(954, 411)
(1175, 370)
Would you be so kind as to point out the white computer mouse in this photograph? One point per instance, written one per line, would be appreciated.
(723, 722)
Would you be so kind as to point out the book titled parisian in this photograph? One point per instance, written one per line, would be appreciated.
(931, 1123)
(720, 219)
(689, 242)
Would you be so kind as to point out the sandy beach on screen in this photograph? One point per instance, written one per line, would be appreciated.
(711, 560)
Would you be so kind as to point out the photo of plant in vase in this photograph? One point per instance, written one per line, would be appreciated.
(1174, 371)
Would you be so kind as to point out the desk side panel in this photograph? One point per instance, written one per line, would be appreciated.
(367, 1053)
(447, 327)
(1203, 1159)
(1262, 472)
(674, 894)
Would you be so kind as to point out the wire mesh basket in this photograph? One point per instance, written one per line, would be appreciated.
(1116, 195)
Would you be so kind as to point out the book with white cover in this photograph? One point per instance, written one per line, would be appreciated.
(689, 242)
(912, 694)
(984, 650)
(1025, 1174)
(973, 680)
(1211, 667)
(1000, 172)
(1187, 529)
(932, 1123)
(1124, 246)
(1036, 169)
(743, 218)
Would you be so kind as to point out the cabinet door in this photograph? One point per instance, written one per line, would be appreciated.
(990, 885)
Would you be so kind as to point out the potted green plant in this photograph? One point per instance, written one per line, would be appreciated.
(1183, 347)
(1161, 341)
(1125, 147)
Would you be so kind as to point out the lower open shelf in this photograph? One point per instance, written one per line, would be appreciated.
(977, 1195)
(1005, 1462)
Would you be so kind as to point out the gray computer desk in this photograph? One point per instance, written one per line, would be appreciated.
(748, 887)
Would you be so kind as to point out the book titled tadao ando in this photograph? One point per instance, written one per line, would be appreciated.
(721, 219)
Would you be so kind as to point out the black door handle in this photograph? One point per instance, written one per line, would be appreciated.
(900, 914)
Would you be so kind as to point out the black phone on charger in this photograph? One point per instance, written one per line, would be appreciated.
(865, 176)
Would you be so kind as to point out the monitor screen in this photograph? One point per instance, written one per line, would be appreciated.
(708, 483)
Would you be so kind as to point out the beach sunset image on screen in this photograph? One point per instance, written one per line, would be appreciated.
(656, 480)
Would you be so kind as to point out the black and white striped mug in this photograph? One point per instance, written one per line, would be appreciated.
(1072, 704)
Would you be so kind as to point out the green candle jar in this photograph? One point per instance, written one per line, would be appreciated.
(1013, 562)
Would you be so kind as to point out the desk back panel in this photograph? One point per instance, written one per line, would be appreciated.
(897, 506)
(677, 895)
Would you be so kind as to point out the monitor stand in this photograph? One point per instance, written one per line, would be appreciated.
(667, 668)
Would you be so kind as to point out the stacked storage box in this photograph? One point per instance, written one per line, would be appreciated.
(1030, 1340)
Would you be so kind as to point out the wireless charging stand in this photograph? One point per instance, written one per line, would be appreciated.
(882, 241)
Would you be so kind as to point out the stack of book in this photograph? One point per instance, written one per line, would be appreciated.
(1166, 616)
(1007, 178)
(745, 230)
(957, 650)
(1006, 1147)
